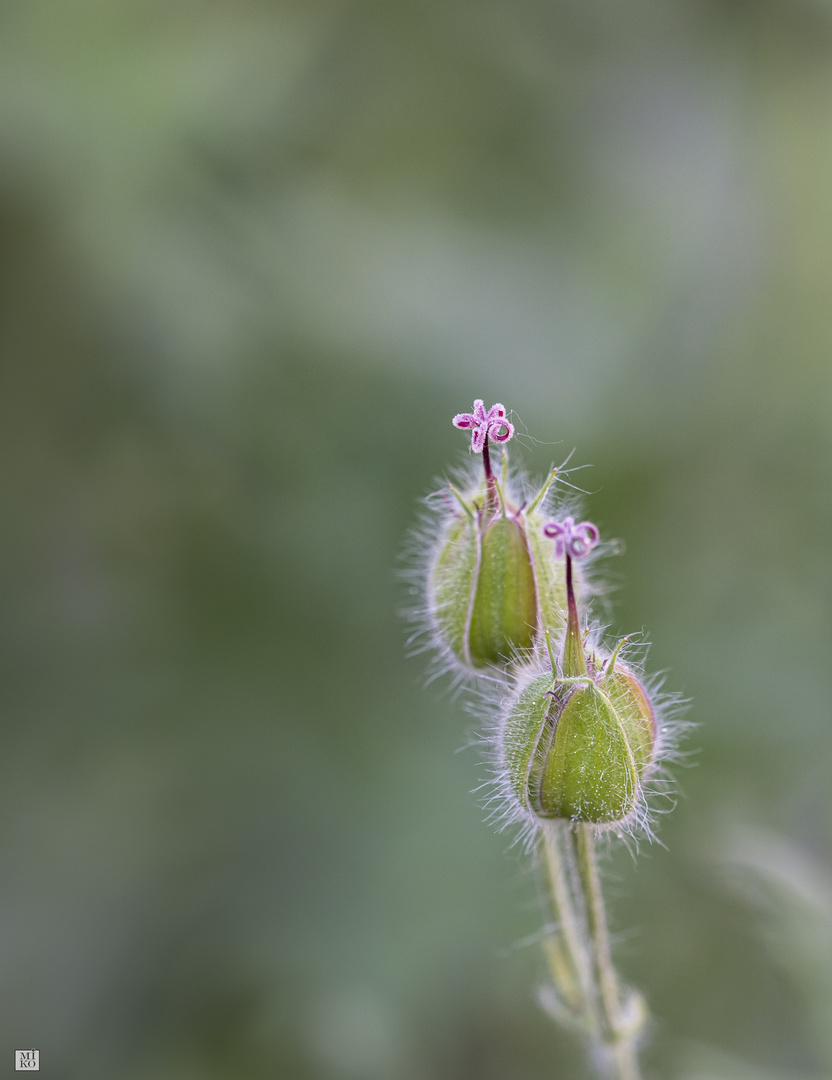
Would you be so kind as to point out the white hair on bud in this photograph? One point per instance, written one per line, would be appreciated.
(440, 509)
(656, 784)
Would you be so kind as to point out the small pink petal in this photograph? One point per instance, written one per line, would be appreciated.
(494, 431)
(578, 540)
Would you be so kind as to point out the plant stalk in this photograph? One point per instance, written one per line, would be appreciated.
(587, 984)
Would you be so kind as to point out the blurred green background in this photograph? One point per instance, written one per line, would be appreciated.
(254, 257)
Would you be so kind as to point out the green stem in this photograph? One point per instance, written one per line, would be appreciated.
(572, 866)
(602, 969)
(561, 873)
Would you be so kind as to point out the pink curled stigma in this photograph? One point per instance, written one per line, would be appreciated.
(571, 539)
(484, 425)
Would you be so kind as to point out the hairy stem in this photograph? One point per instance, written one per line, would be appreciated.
(603, 971)
(486, 462)
(561, 872)
(491, 498)
(593, 992)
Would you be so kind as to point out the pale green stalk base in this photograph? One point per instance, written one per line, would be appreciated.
(587, 994)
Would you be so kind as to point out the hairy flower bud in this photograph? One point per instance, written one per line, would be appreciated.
(492, 586)
(490, 591)
(579, 736)
(579, 749)
(504, 609)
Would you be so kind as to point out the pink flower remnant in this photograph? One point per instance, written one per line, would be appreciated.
(484, 425)
(572, 539)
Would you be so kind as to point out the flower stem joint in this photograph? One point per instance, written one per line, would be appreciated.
(493, 591)
(578, 734)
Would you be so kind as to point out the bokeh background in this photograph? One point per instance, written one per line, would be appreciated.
(254, 257)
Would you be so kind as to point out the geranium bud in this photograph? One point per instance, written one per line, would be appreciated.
(578, 736)
(492, 587)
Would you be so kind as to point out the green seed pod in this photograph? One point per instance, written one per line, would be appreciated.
(579, 748)
(492, 587)
(491, 590)
(504, 609)
(578, 738)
